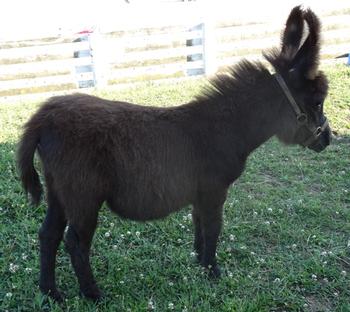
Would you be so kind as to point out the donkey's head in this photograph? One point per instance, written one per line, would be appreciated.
(304, 86)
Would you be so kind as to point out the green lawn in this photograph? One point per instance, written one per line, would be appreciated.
(285, 245)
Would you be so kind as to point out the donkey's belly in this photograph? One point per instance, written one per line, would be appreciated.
(147, 194)
(143, 211)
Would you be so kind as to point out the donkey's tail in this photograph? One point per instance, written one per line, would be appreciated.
(25, 159)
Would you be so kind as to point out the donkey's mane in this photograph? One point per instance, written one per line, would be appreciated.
(235, 79)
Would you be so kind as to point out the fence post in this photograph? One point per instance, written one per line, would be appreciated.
(99, 64)
(195, 41)
(81, 71)
(209, 46)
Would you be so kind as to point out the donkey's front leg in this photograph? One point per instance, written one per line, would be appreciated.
(210, 212)
(198, 237)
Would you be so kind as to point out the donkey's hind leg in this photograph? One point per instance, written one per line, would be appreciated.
(50, 236)
(78, 242)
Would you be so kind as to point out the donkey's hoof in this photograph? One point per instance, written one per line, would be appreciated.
(214, 272)
(92, 293)
(198, 258)
(54, 294)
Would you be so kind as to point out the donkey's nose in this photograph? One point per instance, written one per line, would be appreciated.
(328, 137)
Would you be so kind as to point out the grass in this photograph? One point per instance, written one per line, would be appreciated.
(146, 77)
(33, 42)
(31, 75)
(36, 58)
(38, 89)
(285, 244)
(344, 11)
(150, 62)
(145, 31)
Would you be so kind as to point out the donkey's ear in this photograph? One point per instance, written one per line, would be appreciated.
(306, 61)
(282, 60)
(292, 34)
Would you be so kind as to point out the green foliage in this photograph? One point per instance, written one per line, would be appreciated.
(285, 245)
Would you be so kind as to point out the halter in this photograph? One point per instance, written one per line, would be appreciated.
(302, 118)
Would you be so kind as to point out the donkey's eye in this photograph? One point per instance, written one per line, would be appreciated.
(319, 107)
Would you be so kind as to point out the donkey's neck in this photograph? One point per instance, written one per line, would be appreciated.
(258, 113)
(243, 110)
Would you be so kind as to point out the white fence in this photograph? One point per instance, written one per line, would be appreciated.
(177, 41)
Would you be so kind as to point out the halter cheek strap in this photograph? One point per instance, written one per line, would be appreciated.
(302, 118)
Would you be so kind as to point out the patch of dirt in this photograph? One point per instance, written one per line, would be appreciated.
(317, 305)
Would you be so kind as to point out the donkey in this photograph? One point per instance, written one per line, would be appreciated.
(146, 162)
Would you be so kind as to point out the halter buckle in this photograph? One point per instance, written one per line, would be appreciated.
(318, 132)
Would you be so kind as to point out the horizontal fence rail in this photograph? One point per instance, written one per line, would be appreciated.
(181, 41)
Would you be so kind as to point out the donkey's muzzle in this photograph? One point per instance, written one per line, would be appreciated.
(323, 140)
(317, 138)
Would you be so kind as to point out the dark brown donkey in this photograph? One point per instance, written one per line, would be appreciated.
(148, 162)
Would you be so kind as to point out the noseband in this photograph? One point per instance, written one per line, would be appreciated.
(302, 119)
